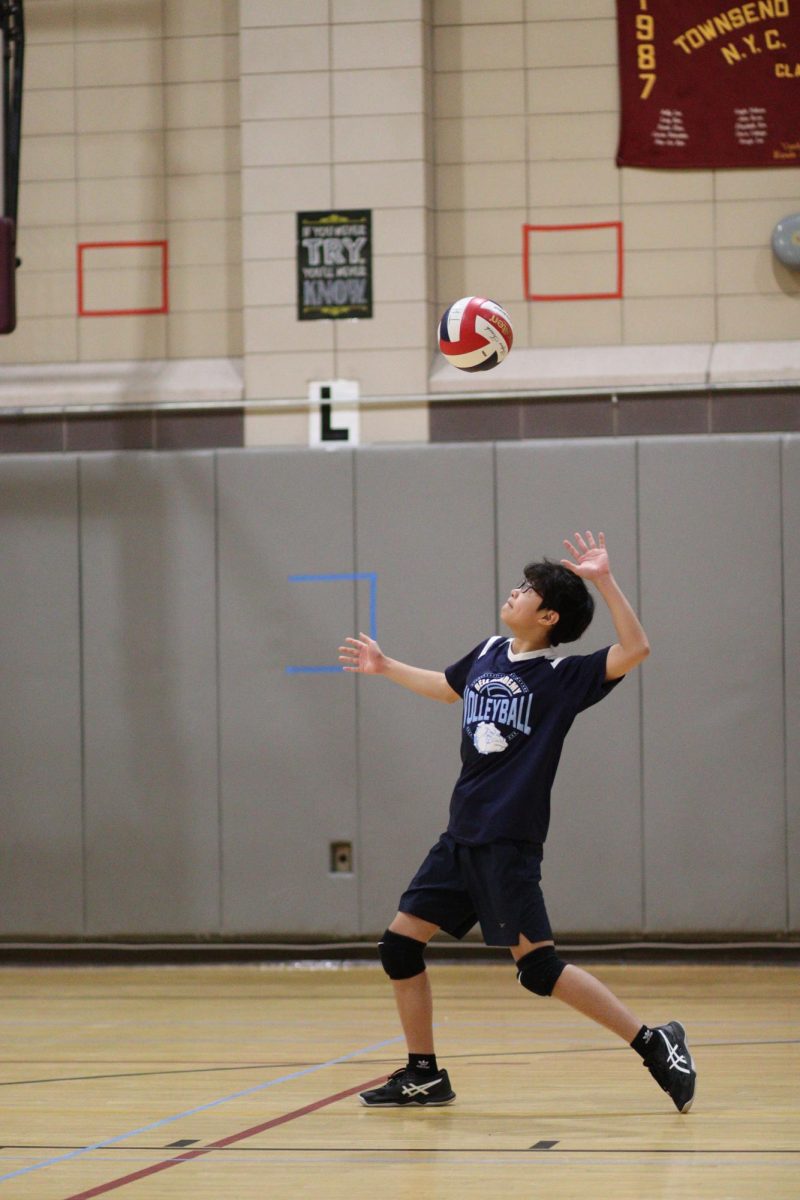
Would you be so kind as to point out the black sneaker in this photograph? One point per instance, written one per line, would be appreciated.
(671, 1064)
(406, 1087)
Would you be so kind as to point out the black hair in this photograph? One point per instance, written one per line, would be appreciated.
(563, 592)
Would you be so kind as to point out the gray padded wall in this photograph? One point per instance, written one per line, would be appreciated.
(791, 591)
(149, 618)
(41, 876)
(425, 524)
(288, 741)
(713, 696)
(150, 705)
(592, 873)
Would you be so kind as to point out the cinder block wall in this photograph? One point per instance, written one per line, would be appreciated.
(209, 123)
(131, 133)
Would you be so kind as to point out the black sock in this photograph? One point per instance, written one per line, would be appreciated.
(422, 1064)
(641, 1043)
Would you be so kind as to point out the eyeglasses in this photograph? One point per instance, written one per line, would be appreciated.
(525, 586)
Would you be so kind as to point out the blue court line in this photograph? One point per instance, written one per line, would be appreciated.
(340, 576)
(191, 1112)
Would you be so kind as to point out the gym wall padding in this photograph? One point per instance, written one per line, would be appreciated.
(287, 741)
(714, 810)
(41, 838)
(151, 816)
(164, 774)
(791, 600)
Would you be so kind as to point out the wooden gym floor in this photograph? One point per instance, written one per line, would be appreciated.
(237, 1083)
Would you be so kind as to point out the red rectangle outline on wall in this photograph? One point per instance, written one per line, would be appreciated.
(124, 312)
(528, 229)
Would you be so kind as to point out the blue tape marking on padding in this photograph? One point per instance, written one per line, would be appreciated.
(373, 605)
(332, 670)
(338, 577)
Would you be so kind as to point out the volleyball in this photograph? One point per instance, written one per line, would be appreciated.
(475, 334)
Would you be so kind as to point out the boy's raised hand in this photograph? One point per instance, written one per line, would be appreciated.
(590, 557)
(362, 654)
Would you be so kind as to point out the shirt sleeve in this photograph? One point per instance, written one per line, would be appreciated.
(457, 673)
(582, 678)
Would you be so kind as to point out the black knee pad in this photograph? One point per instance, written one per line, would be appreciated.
(538, 971)
(402, 956)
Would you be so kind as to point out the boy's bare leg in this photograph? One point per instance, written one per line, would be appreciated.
(588, 995)
(413, 996)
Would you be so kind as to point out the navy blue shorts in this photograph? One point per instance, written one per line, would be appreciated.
(496, 884)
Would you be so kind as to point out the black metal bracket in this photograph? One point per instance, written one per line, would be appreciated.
(12, 23)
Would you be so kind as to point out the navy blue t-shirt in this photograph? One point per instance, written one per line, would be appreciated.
(518, 709)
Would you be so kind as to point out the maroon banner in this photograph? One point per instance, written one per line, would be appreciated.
(709, 84)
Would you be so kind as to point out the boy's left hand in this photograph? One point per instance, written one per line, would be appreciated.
(591, 558)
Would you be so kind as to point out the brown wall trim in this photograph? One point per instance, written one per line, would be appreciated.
(148, 429)
(626, 415)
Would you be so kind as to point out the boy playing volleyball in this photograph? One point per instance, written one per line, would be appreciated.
(520, 699)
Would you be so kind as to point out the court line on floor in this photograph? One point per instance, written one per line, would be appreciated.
(215, 1148)
(147, 1074)
(269, 1157)
(618, 1049)
(221, 1144)
(260, 1087)
(466, 1054)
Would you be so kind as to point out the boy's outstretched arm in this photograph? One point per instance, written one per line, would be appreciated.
(592, 564)
(364, 655)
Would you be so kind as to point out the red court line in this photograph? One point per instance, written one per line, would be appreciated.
(154, 1168)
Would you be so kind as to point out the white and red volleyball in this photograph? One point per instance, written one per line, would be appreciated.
(475, 334)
